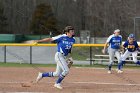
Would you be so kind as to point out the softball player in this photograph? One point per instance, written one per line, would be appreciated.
(114, 42)
(64, 45)
(132, 48)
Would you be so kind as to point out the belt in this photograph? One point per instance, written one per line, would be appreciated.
(61, 53)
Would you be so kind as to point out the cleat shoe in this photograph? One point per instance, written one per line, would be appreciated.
(39, 77)
(58, 86)
(120, 71)
(109, 72)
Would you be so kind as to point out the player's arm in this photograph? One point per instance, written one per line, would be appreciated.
(123, 47)
(137, 47)
(56, 38)
(69, 60)
(45, 40)
(106, 44)
(105, 47)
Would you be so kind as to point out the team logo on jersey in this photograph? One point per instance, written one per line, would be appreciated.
(131, 46)
(66, 42)
(116, 40)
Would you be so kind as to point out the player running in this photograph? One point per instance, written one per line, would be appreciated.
(64, 46)
(114, 42)
(132, 48)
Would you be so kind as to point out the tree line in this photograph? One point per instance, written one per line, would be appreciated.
(100, 17)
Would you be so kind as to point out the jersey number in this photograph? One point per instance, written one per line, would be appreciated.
(68, 47)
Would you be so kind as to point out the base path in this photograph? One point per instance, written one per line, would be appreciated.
(79, 80)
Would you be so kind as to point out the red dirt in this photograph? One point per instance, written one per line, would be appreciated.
(79, 80)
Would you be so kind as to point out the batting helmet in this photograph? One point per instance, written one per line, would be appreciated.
(131, 36)
(67, 29)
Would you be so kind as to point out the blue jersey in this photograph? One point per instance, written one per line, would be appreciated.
(131, 47)
(64, 43)
(114, 41)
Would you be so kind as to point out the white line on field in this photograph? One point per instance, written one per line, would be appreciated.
(125, 69)
(89, 67)
(106, 83)
(98, 83)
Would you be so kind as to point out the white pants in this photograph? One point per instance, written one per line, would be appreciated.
(61, 67)
(112, 54)
(127, 54)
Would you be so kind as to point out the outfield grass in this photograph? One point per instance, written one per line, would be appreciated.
(53, 65)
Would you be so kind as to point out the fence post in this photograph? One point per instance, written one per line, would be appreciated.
(30, 54)
(4, 54)
(90, 55)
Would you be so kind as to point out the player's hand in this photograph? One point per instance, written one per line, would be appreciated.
(103, 51)
(35, 42)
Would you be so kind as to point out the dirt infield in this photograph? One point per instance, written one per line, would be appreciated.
(79, 80)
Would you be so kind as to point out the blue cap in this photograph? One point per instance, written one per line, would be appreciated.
(131, 35)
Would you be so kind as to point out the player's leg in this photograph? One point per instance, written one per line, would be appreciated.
(118, 55)
(53, 74)
(65, 70)
(50, 74)
(58, 71)
(134, 55)
(111, 59)
(123, 58)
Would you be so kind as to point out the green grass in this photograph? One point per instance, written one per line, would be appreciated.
(54, 65)
(82, 53)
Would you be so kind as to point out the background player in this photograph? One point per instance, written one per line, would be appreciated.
(114, 42)
(64, 45)
(132, 48)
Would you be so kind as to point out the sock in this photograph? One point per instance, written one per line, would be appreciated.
(48, 74)
(109, 67)
(138, 62)
(61, 77)
(123, 62)
(120, 65)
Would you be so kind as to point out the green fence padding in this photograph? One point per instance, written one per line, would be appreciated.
(10, 38)
(34, 37)
(17, 38)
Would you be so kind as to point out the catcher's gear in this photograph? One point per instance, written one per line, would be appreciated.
(69, 62)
